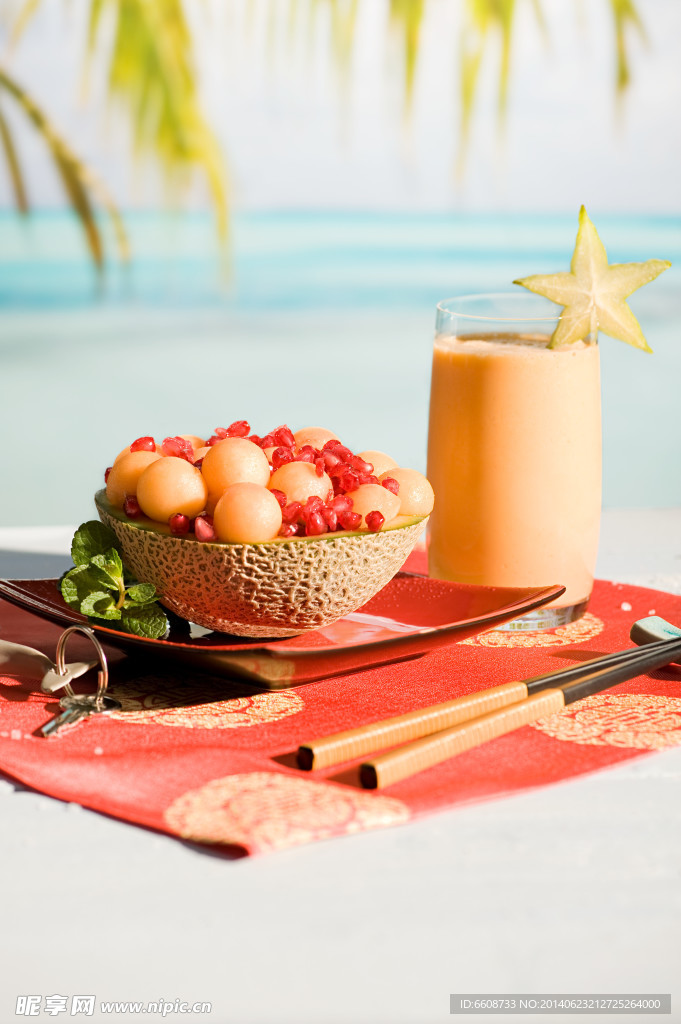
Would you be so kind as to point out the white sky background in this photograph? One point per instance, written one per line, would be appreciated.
(298, 134)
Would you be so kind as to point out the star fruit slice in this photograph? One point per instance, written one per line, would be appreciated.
(593, 292)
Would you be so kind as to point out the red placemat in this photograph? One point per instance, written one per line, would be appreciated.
(206, 759)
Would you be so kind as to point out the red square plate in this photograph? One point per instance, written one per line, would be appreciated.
(410, 616)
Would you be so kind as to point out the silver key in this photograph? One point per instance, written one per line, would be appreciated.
(76, 708)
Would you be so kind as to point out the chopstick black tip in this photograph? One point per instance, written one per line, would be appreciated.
(645, 659)
(368, 776)
(305, 758)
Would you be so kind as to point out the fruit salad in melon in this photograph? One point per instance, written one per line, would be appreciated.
(262, 535)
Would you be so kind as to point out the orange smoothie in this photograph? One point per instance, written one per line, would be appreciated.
(514, 457)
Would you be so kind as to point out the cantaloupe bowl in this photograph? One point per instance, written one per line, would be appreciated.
(277, 588)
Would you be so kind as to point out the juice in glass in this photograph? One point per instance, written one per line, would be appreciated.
(514, 452)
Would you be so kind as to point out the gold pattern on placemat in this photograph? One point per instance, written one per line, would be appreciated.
(639, 720)
(573, 633)
(193, 705)
(270, 811)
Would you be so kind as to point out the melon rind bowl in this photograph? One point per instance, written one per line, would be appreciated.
(276, 589)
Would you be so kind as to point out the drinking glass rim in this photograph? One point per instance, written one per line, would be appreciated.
(443, 307)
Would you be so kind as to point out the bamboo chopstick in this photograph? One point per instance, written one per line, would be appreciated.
(411, 758)
(388, 732)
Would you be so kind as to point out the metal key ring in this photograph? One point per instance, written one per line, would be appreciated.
(102, 677)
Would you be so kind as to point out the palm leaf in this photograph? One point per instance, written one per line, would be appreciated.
(13, 165)
(28, 9)
(482, 19)
(408, 15)
(342, 21)
(625, 16)
(151, 74)
(79, 183)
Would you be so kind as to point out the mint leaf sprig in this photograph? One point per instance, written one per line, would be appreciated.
(97, 586)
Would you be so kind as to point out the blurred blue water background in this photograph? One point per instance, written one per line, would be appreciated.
(311, 318)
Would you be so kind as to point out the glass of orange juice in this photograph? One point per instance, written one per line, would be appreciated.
(514, 452)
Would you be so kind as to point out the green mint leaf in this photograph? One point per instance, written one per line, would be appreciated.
(100, 605)
(148, 620)
(90, 539)
(140, 593)
(110, 564)
(79, 583)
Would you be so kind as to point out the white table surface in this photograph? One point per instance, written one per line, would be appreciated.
(574, 888)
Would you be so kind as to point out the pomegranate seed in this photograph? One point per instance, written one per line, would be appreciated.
(360, 466)
(348, 481)
(131, 507)
(107, 471)
(306, 454)
(179, 524)
(284, 436)
(328, 446)
(280, 456)
(315, 525)
(198, 462)
(221, 432)
(280, 496)
(349, 520)
(344, 452)
(374, 520)
(341, 503)
(203, 528)
(178, 447)
(255, 439)
(367, 479)
(300, 529)
(319, 467)
(287, 530)
(240, 428)
(330, 517)
(331, 460)
(143, 444)
(291, 513)
(266, 442)
(314, 503)
(391, 484)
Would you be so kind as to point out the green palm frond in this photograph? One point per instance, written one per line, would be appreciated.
(625, 16)
(482, 18)
(151, 75)
(13, 165)
(343, 23)
(408, 16)
(80, 185)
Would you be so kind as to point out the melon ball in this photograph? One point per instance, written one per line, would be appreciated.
(379, 460)
(315, 436)
(196, 442)
(299, 480)
(374, 498)
(247, 513)
(416, 494)
(234, 460)
(200, 453)
(171, 485)
(125, 474)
